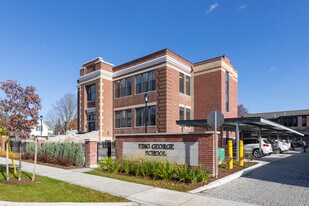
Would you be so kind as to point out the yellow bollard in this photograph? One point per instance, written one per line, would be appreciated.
(230, 153)
(241, 153)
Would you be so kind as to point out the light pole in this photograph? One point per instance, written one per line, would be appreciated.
(65, 128)
(41, 118)
(146, 99)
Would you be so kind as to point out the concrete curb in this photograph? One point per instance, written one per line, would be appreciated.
(5, 203)
(228, 178)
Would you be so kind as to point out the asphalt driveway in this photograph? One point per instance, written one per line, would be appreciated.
(282, 182)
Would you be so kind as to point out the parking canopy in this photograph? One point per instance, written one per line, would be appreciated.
(256, 124)
(249, 124)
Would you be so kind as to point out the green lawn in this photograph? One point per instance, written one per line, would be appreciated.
(49, 190)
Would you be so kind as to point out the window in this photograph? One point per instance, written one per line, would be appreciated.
(145, 82)
(227, 85)
(123, 118)
(290, 121)
(188, 86)
(123, 87)
(181, 113)
(181, 82)
(91, 121)
(150, 119)
(90, 92)
(285, 121)
(304, 121)
(188, 114)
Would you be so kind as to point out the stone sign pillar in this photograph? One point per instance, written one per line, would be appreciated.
(91, 153)
(183, 148)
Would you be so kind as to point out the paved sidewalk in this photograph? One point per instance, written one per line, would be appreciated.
(138, 193)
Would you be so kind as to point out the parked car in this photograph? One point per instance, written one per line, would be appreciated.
(287, 143)
(274, 145)
(296, 143)
(251, 146)
(283, 146)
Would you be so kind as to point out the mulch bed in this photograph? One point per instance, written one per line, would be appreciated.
(222, 172)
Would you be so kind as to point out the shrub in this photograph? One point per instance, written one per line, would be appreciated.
(202, 174)
(146, 168)
(155, 169)
(64, 154)
(126, 166)
(166, 171)
(181, 172)
(192, 176)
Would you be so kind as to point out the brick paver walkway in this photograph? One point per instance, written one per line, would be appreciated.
(284, 182)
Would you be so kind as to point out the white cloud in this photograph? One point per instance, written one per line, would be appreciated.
(242, 7)
(212, 7)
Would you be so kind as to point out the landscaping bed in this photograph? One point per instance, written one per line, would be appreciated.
(174, 182)
(48, 190)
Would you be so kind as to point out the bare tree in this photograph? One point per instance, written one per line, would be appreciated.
(242, 110)
(64, 112)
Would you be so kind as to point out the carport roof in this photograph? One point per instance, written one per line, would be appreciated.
(252, 124)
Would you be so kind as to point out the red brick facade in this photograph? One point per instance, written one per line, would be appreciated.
(207, 92)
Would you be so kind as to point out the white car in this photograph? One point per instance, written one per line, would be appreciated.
(251, 146)
(283, 146)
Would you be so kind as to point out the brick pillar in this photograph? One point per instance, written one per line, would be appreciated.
(207, 152)
(3, 143)
(91, 153)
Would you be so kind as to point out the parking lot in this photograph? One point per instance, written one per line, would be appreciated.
(285, 181)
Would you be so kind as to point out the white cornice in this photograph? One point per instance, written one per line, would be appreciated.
(100, 59)
(110, 75)
(93, 75)
(150, 63)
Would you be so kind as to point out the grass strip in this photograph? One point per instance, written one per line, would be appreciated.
(45, 189)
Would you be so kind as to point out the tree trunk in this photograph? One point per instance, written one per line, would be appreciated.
(19, 170)
(35, 158)
(7, 160)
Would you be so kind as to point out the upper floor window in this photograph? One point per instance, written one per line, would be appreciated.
(188, 86)
(181, 113)
(145, 82)
(123, 118)
(227, 92)
(304, 121)
(181, 82)
(188, 114)
(150, 116)
(91, 121)
(123, 87)
(90, 92)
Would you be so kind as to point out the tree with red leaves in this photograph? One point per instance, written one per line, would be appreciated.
(19, 109)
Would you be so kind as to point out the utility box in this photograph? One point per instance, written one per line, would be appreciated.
(221, 155)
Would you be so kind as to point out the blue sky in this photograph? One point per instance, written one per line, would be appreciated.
(44, 43)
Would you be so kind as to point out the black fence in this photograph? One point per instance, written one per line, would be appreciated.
(106, 149)
(16, 146)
